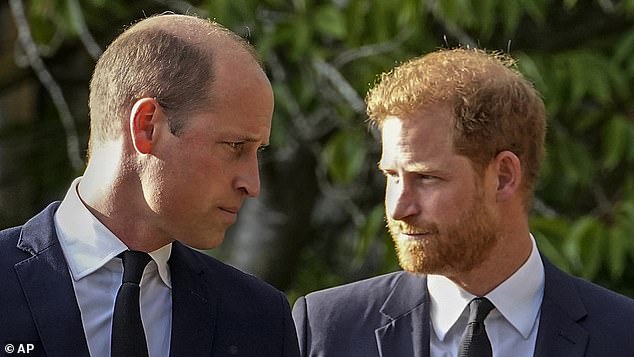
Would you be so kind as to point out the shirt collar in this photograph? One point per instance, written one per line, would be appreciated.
(160, 257)
(517, 299)
(88, 244)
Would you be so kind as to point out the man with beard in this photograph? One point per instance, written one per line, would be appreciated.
(462, 141)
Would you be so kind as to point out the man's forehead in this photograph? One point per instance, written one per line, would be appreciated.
(391, 128)
(391, 140)
(425, 134)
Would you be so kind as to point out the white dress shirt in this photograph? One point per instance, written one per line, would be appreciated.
(91, 252)
(512, 326)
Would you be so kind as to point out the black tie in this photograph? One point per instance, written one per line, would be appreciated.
(474, 341)
(128, 337)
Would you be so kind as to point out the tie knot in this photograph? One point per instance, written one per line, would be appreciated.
(479, 308)
(134, 263)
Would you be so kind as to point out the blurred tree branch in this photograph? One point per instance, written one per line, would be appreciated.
(47, 80)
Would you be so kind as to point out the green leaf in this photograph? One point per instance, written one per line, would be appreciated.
(593, 244)
(512, 16)
(623, 48)
(628, 6)
(302, 34)
(625, 224)
(589, 74)
(583, 246)
(578, 86)
(554, 229)
(619, 249)
(487, 16)
(410, 14)
(219, 11)
(575, 162)
(536, 9)
(460, 12)
(294, 34)
(372, 228)
(546, 240)
(43, 28)
(529, 67)
(345, 155)
(614, 141)
(572, 245)
(330, 21)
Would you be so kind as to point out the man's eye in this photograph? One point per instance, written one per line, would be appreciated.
(235, 145)
(428, 179)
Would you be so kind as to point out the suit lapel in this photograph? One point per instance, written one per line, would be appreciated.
(194, 305)
(407, 308)
(45, 281)
(559, 334)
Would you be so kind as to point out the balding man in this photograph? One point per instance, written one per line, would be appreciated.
(172, 156)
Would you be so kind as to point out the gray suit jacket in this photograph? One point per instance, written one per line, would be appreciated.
(388, 316)
(216, 310)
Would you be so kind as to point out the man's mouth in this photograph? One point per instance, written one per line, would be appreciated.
(415, 235)
(230, 214)
(233, 210)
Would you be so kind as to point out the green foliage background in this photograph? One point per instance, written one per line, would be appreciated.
(319, 221)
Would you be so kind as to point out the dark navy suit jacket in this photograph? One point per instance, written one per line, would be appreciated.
(217, 310)
(389, 316)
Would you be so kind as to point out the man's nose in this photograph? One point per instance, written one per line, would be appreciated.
(248, 179)
(401, 201)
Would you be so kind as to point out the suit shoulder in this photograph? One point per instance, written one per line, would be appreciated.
(250, 314)
(385, 280)
(239, 280)
(371, 291)
(9, 253)
(606, 316)
(10, 235)
(342, 320)
(605, 300)
(558, 281)
(603, 313)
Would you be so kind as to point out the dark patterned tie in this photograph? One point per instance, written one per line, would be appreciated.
(474, 341)
(128, 337)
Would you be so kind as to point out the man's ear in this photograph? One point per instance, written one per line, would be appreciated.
(144, 118)
(508, 170)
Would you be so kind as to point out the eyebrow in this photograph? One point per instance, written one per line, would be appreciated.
(250, 139)
(411, 167)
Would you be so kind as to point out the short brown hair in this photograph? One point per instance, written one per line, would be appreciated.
(150, 61)
(495, 107)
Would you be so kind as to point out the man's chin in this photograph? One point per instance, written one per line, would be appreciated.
(424, 266)
(412, 265)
